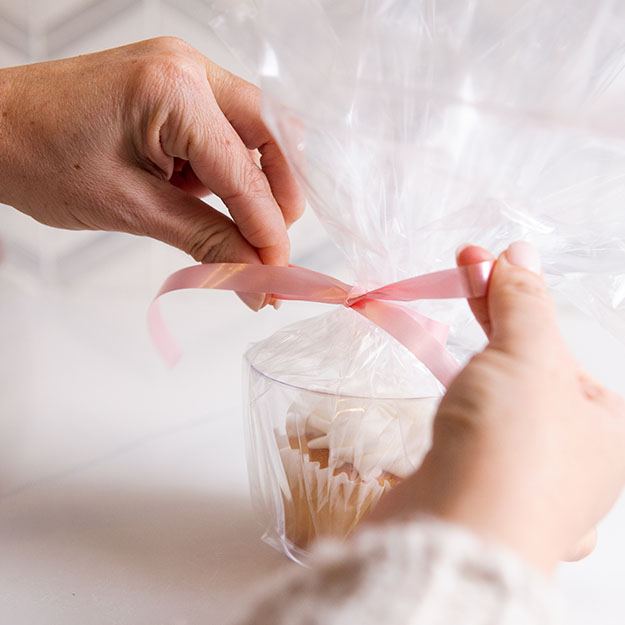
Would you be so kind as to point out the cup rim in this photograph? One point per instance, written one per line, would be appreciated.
(254, 368)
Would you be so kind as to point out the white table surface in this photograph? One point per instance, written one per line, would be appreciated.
(123, 487)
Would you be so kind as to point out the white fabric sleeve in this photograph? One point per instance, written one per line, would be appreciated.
(422, 572)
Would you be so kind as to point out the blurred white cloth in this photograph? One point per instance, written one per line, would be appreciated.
(422, 572)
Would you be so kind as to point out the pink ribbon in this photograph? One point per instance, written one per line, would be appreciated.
(426, 338)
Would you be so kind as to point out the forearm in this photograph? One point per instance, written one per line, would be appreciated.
(12, 166)
(420, 571)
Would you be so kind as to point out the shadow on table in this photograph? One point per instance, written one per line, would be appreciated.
(203, 547)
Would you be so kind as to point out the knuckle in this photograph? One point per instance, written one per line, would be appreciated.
(233, 87)
(168, 70)
(208, 244)
(530, 291)
(257, 233)
(243, 89)
(249, 94)
(165, 67)
(525, 284)
(169, 43)
(252, 183)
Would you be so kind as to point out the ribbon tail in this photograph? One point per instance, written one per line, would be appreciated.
(288, 283)
(161, 336)
(405, 326)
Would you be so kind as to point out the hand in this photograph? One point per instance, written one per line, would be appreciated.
(528, 450)
(129, 139)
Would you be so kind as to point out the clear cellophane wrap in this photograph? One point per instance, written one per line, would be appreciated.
(415, 126)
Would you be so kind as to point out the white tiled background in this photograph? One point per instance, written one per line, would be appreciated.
(123, 489)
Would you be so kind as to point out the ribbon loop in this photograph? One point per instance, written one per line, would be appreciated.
(424, 337)
(466, 281)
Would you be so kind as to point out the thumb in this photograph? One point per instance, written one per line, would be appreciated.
(521, 311)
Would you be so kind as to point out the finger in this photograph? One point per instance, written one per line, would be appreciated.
(170, 215)
(185, 179)
(582, 548)
(468, 255)
(222, 163)
(283, 184)
(521, 312)
(240, 102)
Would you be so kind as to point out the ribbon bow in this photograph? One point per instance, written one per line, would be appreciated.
(424, 337)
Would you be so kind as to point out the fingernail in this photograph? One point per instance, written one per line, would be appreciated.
(461, 249)
(273, 301)
(255, 301)
(524, 254)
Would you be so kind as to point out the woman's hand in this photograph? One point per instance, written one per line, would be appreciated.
(129, 139)
(528, 450)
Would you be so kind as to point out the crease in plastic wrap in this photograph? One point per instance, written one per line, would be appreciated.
(414, 127)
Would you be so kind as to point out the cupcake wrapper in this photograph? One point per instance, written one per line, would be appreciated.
(320, 503)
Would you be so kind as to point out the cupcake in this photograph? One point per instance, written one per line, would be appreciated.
(341, 454)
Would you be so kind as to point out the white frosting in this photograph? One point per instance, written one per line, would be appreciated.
(374, 435)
